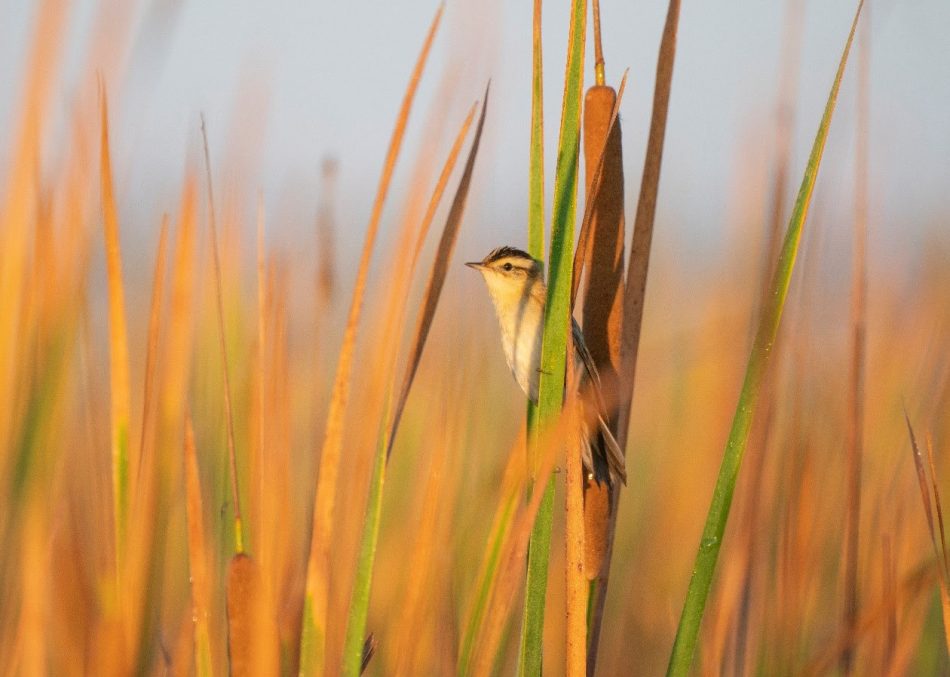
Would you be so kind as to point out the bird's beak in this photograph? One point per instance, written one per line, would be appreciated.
(477, 265)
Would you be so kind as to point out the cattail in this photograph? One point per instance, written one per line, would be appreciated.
(252, 633)
(603, 300)
(326, 232)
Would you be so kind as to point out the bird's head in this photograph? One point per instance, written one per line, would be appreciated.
(508, 271)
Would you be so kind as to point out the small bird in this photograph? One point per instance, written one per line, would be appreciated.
(516, 285)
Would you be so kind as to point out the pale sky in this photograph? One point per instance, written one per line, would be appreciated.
(319, 78)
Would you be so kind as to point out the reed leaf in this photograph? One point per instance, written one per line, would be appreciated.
(151, 351)
(313, 634)
(440, 267)
(642, 239)
(711, 539)
(486, 579)
(181, 309)
(533, 615)
(937, 538)
(855, 439)
(514, 550)
(536, 155)
(513, 479)
(359, 605)
(46, 45)
(556, 327)
(118, 338)
(223, 344)
(197, 558)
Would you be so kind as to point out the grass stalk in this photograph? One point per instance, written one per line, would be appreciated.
(41, 70)
(313, 634)
(488, 570)
(538, 552)
(536, 153)
(536, 580)
(784, 132)
(575, 583)
(711, 539)
(263, 538)
(641, 242)
(197, 558)
(935, 528)
(889, 585)
(180, 337)
(118, 341)
(151, 352)
(509, 578)
(556, 323)
(855, 452)
(219, 297)
(443, 258)
(359, 604)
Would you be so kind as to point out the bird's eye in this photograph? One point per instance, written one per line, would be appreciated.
(508, 266)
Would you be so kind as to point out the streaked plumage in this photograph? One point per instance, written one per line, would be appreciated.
(516, 286)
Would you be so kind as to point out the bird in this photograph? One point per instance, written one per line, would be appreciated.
(515, 282)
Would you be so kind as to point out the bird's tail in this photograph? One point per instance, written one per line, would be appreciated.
(602, 455)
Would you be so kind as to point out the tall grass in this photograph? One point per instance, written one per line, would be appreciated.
(353, 651)
(313, 639)
(392, 521)
(118, 345)
(711, 540)
(557, 323)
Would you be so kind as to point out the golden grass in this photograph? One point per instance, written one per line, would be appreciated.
(118, 343)
(197, 558)
(455, 520)
(20, 200)
(225, 368)
(318, 566)
(856, 394)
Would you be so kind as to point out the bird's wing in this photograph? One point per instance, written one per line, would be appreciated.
(581, 347)
(615, 458)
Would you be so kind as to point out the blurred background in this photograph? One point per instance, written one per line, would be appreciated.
(300, 100)
(285, 84)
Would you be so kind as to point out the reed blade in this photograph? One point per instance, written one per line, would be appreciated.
(359, 605)
(118, 338)
(557, 322)
(313, 634)
(197, 558)
(711, 540)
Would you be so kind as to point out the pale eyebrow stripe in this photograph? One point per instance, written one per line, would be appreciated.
(519, 263)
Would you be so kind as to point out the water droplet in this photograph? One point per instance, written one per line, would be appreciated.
(709, 543)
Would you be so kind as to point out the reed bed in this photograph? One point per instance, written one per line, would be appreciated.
(242, 462)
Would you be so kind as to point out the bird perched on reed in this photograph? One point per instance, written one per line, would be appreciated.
(516, 286)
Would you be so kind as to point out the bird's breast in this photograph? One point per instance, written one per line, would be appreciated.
(521, 340)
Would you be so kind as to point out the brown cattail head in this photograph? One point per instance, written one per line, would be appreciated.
(326, 235)
(603, 299)
(252, 633)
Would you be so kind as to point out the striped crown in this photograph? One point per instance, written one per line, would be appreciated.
(507, 252)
